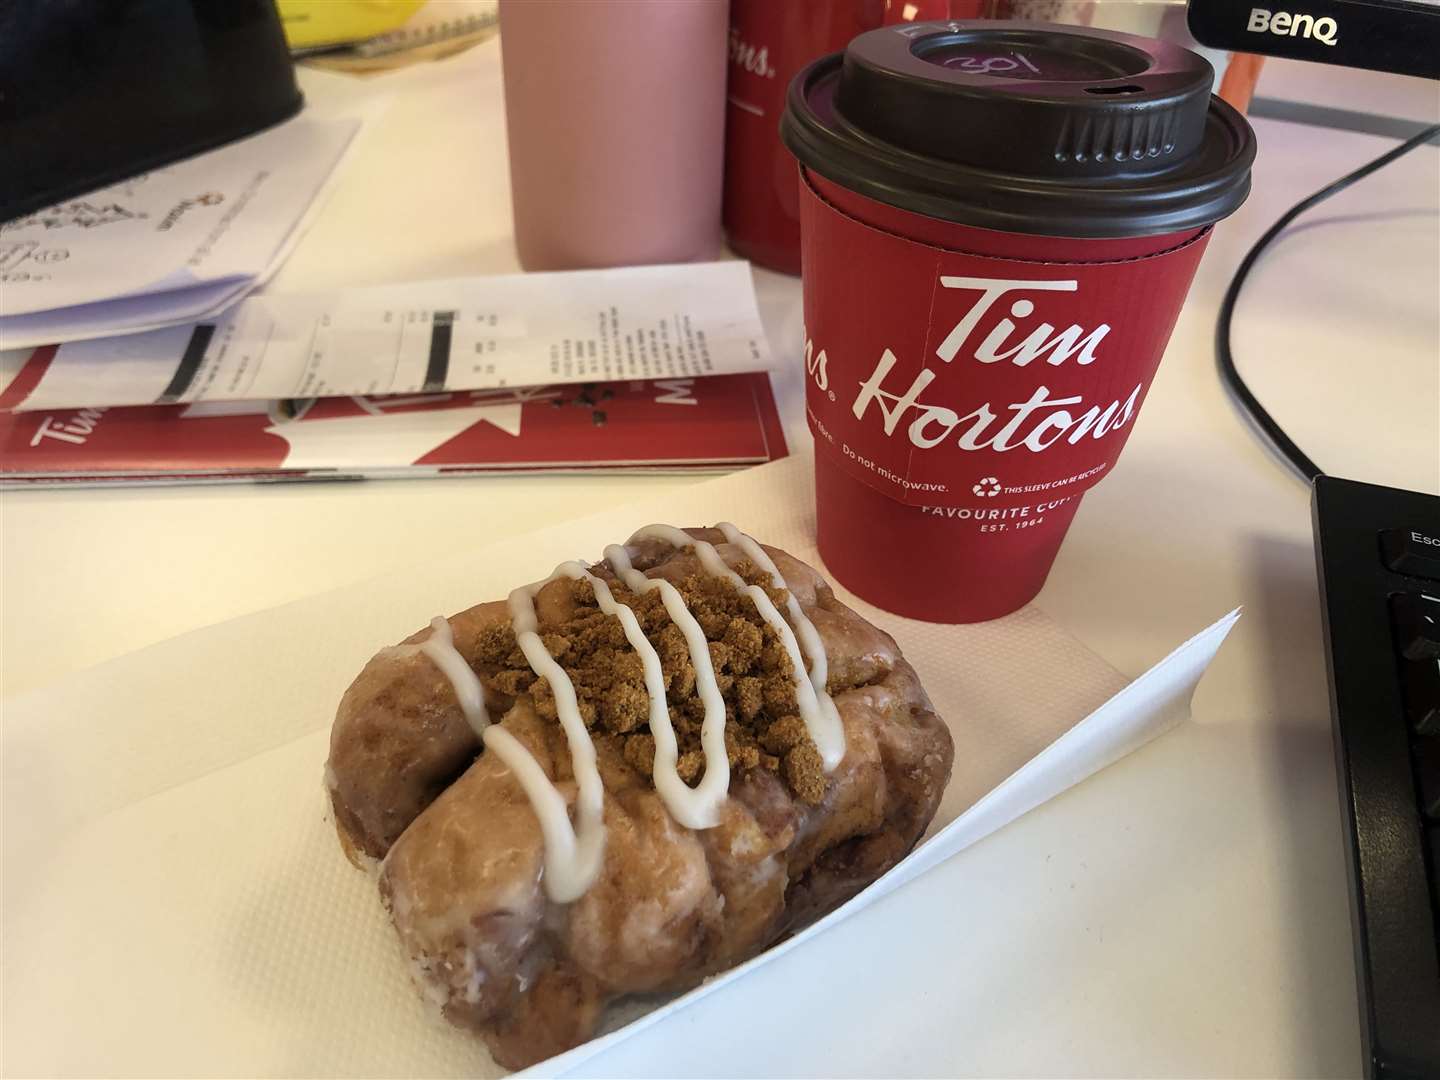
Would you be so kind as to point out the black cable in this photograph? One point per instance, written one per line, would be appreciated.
(1226, 359)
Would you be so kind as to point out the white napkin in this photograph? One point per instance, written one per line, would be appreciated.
(175, 901)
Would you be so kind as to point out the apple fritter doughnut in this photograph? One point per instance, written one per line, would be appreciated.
(627, 777)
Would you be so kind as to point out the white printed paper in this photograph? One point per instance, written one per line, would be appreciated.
(133, 314)
(171, 243)
(647, 322)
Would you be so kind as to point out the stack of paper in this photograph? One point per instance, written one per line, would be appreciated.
(142, 350)
(654, 425)
(168, 246)
(467, 375)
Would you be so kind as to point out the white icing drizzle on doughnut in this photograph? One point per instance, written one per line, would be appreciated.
(697, 807)
(822, 721)
(804, 630)
(440, 648)
(572, 856)
(701, 803)
(570, 864)
(573, 859)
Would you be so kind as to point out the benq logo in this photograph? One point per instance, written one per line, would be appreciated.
(1285, 24)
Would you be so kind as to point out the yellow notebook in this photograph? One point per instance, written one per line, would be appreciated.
(309, 23)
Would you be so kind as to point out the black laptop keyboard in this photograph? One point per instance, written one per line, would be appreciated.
(1378, 551)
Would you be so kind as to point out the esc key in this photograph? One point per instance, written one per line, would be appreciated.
(1410, 551)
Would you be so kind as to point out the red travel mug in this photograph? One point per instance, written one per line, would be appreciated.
(911, 11)
(769, 42)
(999, 225)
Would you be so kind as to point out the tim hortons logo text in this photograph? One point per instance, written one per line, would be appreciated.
(1035, 424)
(749, 58)
(77, 429)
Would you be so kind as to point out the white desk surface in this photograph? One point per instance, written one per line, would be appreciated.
(1185, 912)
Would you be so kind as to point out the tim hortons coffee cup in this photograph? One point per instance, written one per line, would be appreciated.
(999, 223)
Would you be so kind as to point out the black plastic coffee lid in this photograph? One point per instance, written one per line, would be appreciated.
(1027, 127)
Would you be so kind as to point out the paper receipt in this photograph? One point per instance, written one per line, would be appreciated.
(651, 322)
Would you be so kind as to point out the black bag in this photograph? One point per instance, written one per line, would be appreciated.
(94, 91)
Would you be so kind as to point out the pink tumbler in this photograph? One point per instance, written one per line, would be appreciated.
(615, 111)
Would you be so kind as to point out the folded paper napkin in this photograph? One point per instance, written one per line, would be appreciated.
(175, 901)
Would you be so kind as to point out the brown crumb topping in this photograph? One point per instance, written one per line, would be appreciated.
(754, 672)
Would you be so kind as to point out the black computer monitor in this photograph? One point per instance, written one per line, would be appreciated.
(1401, 36)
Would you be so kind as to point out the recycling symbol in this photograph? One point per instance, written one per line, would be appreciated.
(988, 487)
